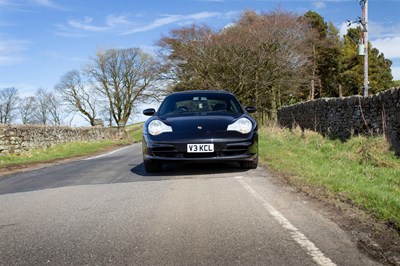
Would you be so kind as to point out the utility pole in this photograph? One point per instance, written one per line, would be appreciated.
(364, 22)
(363, 44)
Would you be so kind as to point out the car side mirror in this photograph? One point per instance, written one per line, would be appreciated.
(149, 112)
(251, 109)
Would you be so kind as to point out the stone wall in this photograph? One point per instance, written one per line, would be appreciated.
(344, 117)
(17, 138)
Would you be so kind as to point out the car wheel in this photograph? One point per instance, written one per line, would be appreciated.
(152, 166)
(249, 164)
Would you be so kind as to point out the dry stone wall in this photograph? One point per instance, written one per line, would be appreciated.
(344, 117)
(17, 138)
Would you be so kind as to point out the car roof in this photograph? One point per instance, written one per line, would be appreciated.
(202, 91)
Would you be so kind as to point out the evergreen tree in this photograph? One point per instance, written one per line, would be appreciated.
(380, 71)
(325, 57)
(380, 74)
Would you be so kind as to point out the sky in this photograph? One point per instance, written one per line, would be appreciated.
(40, 40)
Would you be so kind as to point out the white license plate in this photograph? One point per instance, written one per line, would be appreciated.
(196, 148)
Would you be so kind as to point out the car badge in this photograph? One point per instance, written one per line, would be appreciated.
(199, 127)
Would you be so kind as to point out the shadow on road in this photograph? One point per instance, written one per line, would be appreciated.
(189, 169)
(102, 172)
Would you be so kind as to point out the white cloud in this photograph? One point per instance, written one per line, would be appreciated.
(319, 5)
(67, 31)
(126, 26)
(386, 38)
(343, 28)
(379, 30)
(11, 51)
(113, 20)
(231, 14)
(376, 29)
(388, 46)
(203, 15)
(77, 27)
(156, 23)
(85, 25)
(229, 25)
(169, 19)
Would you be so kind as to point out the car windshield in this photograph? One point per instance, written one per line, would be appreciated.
(205, 103)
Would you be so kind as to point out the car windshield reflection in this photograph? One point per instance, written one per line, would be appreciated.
(203, 104)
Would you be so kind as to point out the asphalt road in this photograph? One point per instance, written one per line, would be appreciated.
(106, 210)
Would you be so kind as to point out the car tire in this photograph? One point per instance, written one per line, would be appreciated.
(249, 164)
(152, 166)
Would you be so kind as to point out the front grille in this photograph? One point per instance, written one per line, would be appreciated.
(221, 150)
(169, 151)
(235, 150)
(200, 155)
(176, 154)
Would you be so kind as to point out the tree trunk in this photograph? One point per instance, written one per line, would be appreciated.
(273, 111)
(312, 92)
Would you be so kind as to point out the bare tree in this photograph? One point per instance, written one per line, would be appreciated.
(8, 104)
(41, 114)
(26, 109)
(55, 109)
(124, 78)
(262, 58)
(79, 95)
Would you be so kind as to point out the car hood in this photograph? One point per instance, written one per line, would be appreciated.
(200, 128)
(200, 122)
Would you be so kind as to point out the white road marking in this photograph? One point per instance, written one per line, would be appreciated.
(295, 233)
(105, 154)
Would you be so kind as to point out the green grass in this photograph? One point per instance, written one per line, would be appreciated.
(135, 131)
(59, 151)
(362, 170)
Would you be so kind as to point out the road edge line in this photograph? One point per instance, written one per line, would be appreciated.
(295, 233)
(105, 154)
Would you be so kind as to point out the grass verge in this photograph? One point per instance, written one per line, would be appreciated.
(69, 150)
(59, 151)
(361, 171)
(135, 131)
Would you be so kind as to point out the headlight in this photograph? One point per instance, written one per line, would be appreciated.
(156, 127)
(243, 125)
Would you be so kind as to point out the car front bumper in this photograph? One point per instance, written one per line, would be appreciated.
(225, 149)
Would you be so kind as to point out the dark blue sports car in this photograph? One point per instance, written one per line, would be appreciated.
(200, 126)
